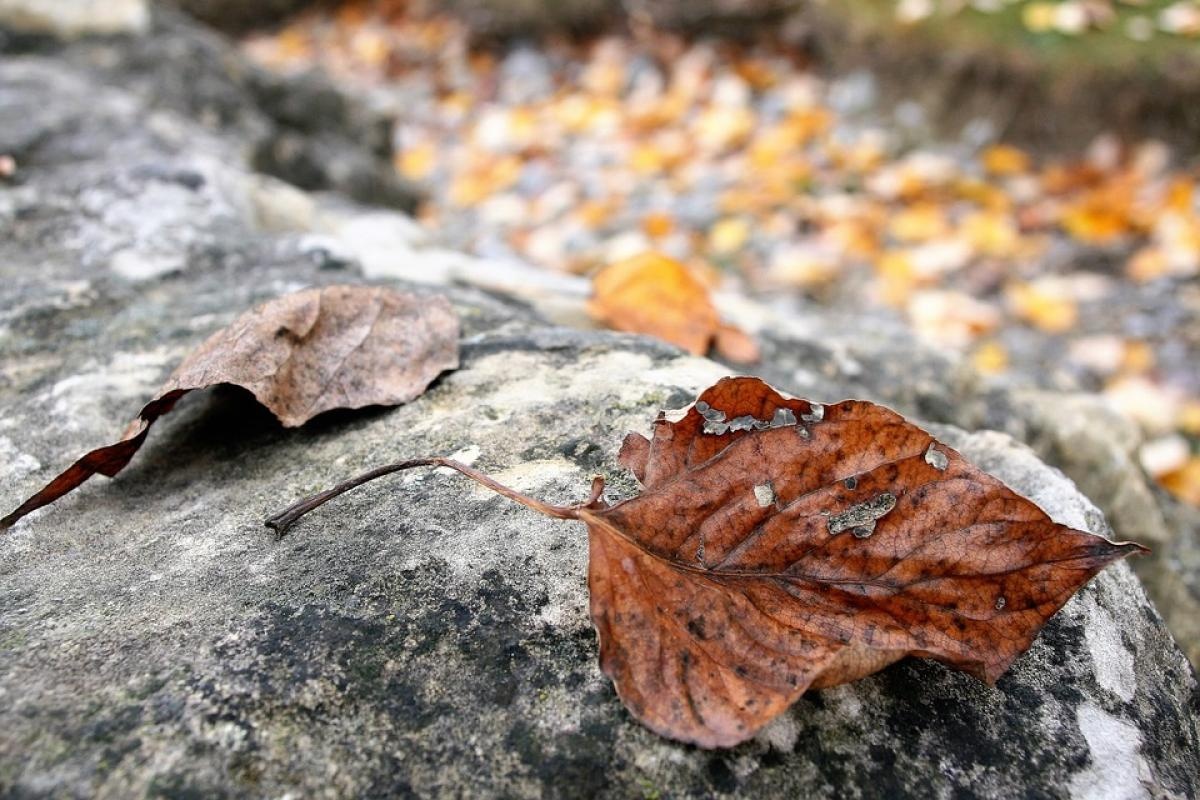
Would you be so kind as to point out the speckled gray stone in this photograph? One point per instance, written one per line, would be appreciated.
(419, 636)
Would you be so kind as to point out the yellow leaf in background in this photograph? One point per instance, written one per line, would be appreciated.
(474, 186)
(604, 77)
(1184, 482)
(1039, 17)
(984, 193)
(897, 276)
(808, 123)
(370, 47)
(417, 162)
(646, 159)
(721, 128)
(919, 223)
(1189, 417)
(1043, 307)
(728, 235)
(1138, 357)
(1147, 264)
(991, 233)
(593, 214)
(524, 126)
(772, 146)
(990, 358)
(1002, 160)
(858, 238)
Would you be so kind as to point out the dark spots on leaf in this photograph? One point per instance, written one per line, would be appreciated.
(851, 482)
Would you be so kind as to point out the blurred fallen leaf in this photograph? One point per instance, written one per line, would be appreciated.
(1042, 305)
(1184, 482)
(656, 295)
(1005, 160)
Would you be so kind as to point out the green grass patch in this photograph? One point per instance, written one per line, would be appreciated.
(1004, 32)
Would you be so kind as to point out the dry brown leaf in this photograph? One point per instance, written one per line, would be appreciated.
(299, 355)
(656, 295)
(781, 545)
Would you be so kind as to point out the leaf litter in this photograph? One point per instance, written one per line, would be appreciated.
(299, 355)
(728, 588)
(749, 167)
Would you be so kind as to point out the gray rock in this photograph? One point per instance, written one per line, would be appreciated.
(239, 16)
(298, 128)
(73, 18)
(522, 18)
(423, 636)
(429, 637)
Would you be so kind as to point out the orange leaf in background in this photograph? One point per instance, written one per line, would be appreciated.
(1184, 482)
(1094, 223)
(656, 295)
(657, 224)
(990, 358)
(1005, 160)
(919, 223)
(1042, 307)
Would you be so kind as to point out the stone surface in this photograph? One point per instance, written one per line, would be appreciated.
(239, 16)
(298, 128)
(424, 636)
(72, 18)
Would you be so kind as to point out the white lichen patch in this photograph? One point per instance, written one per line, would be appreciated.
(1113, 661)
(1117, 771)
(764, 494)
(688, 372)
(860, 518)
(936, 458)
(129, 378)
(845, 702)
(1023, 472)
(468, 455)
(15, 464)
(781, 733)
(530, 476)
(715, 422)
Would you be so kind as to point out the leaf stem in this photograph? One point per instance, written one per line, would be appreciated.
(284, 520)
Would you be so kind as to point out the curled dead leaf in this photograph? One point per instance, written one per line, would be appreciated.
(781, 545)
(299, 355)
